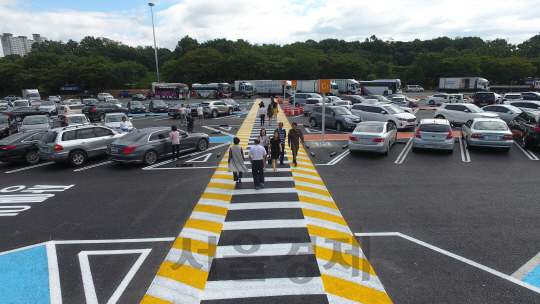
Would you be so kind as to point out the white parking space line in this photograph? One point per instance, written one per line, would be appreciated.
(416, 111)
(465, 157)
(184, 156)
(166, 118)
(404, 152)
(182, 168)
(528, 267)
(30, 167)
(527, 152)
(92, 166)
(339, 158)
(218, 130)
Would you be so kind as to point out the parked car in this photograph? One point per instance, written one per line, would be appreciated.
(437, 99)
(21, 103)
(334, 116)
(487, 132)
(526, 128)
(353, 98)
(148, 145)
(4, 105)
(433, 134)
(124, 94)
(157, 106)
(54, 99)
(103, 96)
(512, 96)
(215, 108)
(384, 112)
(49, 106)
(404, 101)
(373, 136)
(11, 98)
(70, 102)
(525, 105)
(113, 120)
(35, 102)
(7, 126)
(347, 104)
(90, 101)
(115, 102)
(18, 114)
(98, 111)
(310, 103)
(84, 95)
(299, 99)
(531, 96)
(35, 122)
(413, 88)
(461, 113)
(379, 98)
(484, 98)
(22, 146)
(136, 107)
(77, 119)
(231, 102)
(70, 109)
(505, 112)
(332, 99)
(139, 97)
(75, 144)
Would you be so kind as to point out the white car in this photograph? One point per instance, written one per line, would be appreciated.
(116, 102)
(461, 112)
(384, 112)
(343, 103)
(332, 99)
(103, 96)
(113, 120)
(512, 96)
(21, 103)
(77, 119)
(437, 99)
(414, 88)
(433, 134)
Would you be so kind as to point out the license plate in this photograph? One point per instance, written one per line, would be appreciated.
(491, 137)
(432, 146)
(114, 150)
(364, 140)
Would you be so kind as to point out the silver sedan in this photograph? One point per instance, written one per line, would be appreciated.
(506, 112)
(35, 122)
(487, 132)
(373, 136)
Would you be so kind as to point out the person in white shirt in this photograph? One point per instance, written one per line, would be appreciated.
(262, 113)
(200, 113)
(257, 158)
(182, 114)
(124, 127)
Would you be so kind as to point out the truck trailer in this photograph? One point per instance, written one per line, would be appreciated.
(347, 86)
(529, 86)
(312, 86)
(273, 88)
(463, 84)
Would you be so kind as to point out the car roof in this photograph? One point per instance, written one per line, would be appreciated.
(437, 121)
(486, 119)
(373, 123)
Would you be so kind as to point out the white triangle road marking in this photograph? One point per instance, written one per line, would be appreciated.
(206, 157)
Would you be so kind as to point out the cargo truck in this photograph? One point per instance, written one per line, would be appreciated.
(273, 88)
(31, 94)
(242, 88)
(529, 86)
(347, 86)
(312, 86)
(463, 84)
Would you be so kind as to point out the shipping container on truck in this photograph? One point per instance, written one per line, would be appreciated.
(528, 86)
(273, 88)
(463, 84)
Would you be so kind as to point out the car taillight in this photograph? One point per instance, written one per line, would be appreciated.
(6, 148)
(353, 138)
(128, 150)
(536, 129)
(378, 140)
(477, 136)
(93, 110)
(7, 113)
(58, 148)
(504, 99)
(450, 134)
(418, 133)
(508, 136)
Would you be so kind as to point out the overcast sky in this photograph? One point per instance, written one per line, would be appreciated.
(273, 21)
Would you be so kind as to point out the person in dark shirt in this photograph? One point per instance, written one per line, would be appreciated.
(64, 122)
(190, 122)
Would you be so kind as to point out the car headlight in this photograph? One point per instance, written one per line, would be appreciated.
(403, 119)
(348, 120)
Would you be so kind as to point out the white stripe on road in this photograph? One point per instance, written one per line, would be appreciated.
(92, 166)
(258, 250)
(218, 130)
(339, 158)
(465, 157)
(264, 224)
(265, 205)
(404, 152)
(30, 167)
(527, 152)
(183, 156)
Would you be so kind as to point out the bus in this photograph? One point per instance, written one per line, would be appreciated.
(211, 90)
(170, 90)
(383, 87)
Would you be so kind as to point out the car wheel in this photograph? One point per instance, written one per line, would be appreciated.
(392, 123)
(451, 151)
(230, 111)
(214, 113)
(77, 158)
(101, 117)
(202, 144)
(312, 122)
(439, 117)
(31, 157)
(339, 126)
(150, 157)
(18, 118)
(432, 102)
(387, 152)
(524, 142)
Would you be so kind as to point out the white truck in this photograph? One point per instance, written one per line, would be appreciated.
(242, 88)
(312, 86)
(463, 84)
(347, 86)
(273, 88)
(32, 95)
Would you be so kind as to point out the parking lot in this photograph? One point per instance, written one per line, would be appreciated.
(436, 227)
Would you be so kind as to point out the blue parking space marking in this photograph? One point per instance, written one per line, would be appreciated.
(533, 277)
(241, 112)
(149, 114)
(221, 139)
(24, 276)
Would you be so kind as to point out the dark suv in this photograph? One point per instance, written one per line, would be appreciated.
(98, 111)
(530, 95)
(484, 98)
(335, 116)
(526, 128)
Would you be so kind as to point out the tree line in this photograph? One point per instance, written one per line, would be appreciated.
(101, 63)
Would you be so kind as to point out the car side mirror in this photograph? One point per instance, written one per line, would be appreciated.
(466, 110)
(383, 112)
(509, 112)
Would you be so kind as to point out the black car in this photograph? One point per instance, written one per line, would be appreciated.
(90, 101)
(8, 127)
(139, 97)
(136, 107)
(21, 147)
(18, 114)
(526, 128)
(158, 106)
(98, 111)
(84, 95)
(484, 98)
(530, 95)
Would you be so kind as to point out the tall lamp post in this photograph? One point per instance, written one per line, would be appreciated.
(154, 30)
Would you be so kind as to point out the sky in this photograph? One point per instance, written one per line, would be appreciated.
(270, 21)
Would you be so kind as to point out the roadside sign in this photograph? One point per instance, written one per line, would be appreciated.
(324, 85)
(294, 83)
(284, 82)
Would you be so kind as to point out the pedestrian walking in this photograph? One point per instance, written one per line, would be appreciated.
(236, 162)
(270, 113)
(265, 140)
(200, 114)
(282, 135)
(262, 113)
(275, 149)
(190, 122)
(257, 158)
(276, 110)
(175, 138)
(295, 135)
(182, 114)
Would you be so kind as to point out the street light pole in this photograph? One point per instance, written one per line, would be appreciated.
(154, 30)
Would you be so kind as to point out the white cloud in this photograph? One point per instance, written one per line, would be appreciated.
(283, 21)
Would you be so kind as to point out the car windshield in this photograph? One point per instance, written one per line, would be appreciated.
(20, 103)
(159, 103)
(434, 128)
(47, 103)
(113, 118)
(490, 125)
(48, 137)
(34, 120)
(342, 111)
(115, 101)
(475, 109)
(393, 110)
(76, 120)
(369, 128)
(136, 103)
(133, 136)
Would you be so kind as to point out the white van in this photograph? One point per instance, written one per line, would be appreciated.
(414, 88)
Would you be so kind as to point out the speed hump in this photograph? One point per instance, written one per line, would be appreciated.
(324, 85)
